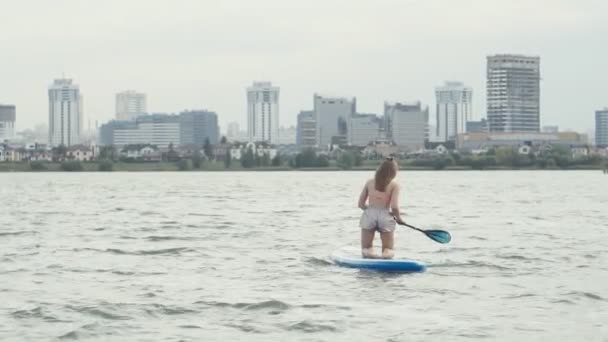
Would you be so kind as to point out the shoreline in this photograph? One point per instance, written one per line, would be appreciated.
(217, 167)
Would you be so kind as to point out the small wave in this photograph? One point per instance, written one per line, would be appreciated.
(284, 211)
(170, 310)
(458, 249)
(74, 334)
(19, 255)
(585, 295)
(517, 257)
(168, 251)
(319, 261)
(478, 238)
(269, 304)
(263, 305)
(17, 270)
(32, 313)
(476, 264)
(204, 215)
(321, 306)
(96, 312)
(245, 328)
(36, 312)
(523, 295)
(189, 326)
(25, 232)
(520, 328)
(475, 335)
(311, 327)
(113, 271)
(166, 238)
(169, 222)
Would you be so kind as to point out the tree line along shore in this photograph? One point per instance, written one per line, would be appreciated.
(502, 158)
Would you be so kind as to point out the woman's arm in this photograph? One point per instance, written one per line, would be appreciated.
(363, 198)
(395, 203)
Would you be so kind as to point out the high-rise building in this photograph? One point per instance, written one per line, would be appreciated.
(332, 116)
(198, 126)
(287, 136)
(65, 113)
(407, 124)
(7, 122)
(233, 130)
(263, 112)
(513, 93)
(364, 128)
(130, 104)
(306, 129)
(601, 128)
(454, 109)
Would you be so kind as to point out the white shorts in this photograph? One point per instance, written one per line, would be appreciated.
(379, 219)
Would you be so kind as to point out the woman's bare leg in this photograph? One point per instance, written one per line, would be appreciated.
(388, 240)
(367, 243)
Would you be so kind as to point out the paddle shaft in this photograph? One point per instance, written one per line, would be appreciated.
(418, 229)
(407, 225)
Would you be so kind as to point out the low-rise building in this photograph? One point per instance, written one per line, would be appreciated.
(221, 151)
(380, 148)
(81, 153)
(580, 151)
(477, 126)
(2, 152)
(10, 154)
(38, 155)
(141, 152)
(259, 149)
(481, 140)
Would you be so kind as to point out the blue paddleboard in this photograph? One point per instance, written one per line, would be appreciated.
(351, 257)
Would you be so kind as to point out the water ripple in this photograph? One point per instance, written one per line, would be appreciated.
(191, 256)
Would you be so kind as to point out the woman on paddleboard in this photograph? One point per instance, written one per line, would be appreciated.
(381, 210)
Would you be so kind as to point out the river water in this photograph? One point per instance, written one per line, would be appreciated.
(241, 256)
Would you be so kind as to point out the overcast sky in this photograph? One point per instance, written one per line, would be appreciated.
(202, 54)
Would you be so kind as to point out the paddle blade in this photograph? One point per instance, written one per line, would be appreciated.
(440, 236)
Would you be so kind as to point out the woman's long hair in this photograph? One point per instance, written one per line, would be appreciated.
(385, 174)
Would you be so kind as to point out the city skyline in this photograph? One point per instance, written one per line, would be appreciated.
(181, 63)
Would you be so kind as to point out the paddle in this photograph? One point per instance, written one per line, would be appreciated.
(440, 236)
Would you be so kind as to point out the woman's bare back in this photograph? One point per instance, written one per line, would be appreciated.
(381, 199)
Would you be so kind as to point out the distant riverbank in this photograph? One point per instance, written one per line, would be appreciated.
(216, 166)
